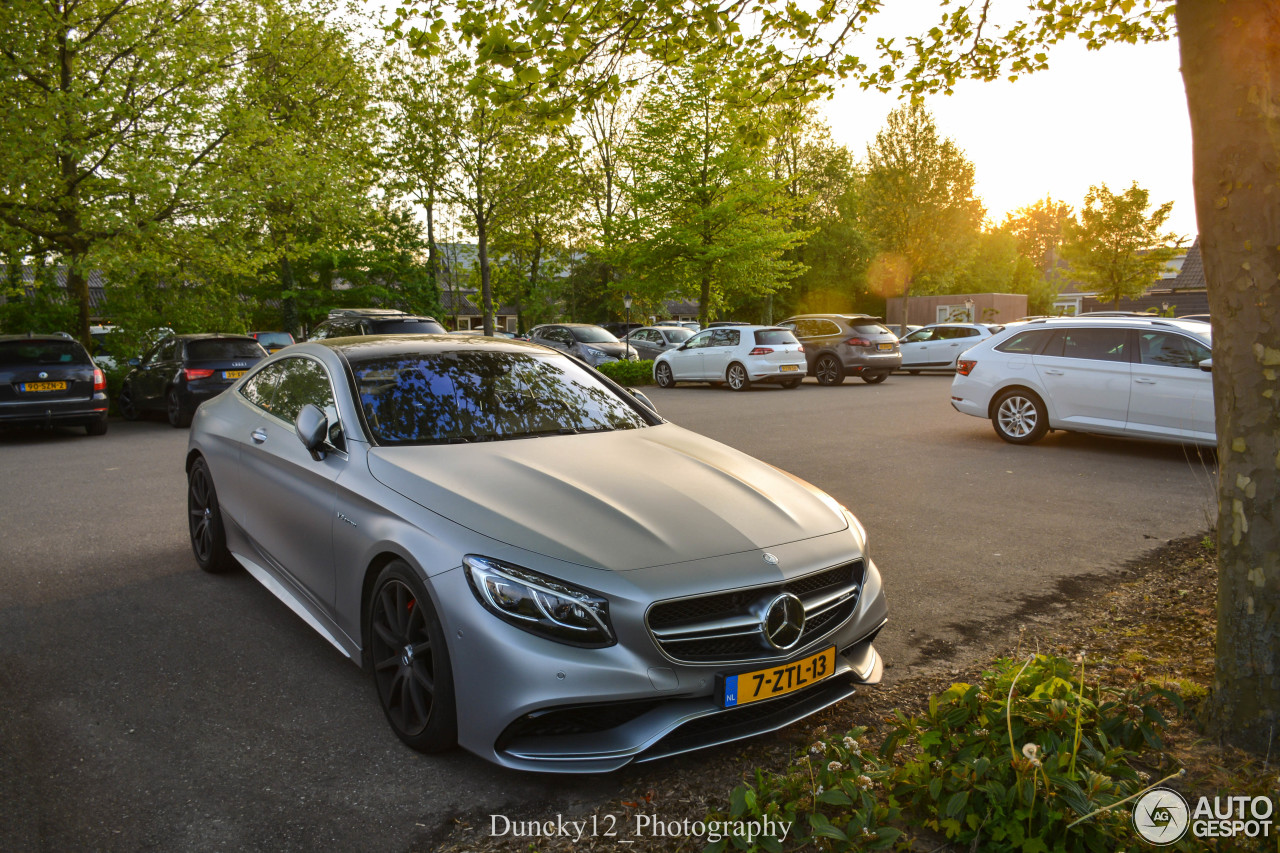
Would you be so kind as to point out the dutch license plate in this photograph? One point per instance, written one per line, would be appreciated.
(885, 347)
(747, 687)
(785, 367)
(232, 374)
(44, 386)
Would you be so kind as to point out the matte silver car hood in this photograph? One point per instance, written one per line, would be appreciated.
(623, 500)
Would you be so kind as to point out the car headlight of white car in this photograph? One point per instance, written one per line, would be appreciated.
(539, 604)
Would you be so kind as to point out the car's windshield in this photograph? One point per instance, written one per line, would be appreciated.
(408, 326)
(777, 337)
(213, 349)
(866, 328)
(274, 338)
(484, 396)
(592, 335)
(33, 352)
(677, 336)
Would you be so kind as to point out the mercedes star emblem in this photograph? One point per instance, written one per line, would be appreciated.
(783, 622)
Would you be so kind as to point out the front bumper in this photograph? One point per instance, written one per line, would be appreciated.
(533, 704)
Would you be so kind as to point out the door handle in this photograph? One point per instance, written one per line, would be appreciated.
(259, 435)
(1056, 372)
(1145, 381)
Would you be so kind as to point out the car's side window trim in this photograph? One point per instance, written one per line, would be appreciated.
(278, 367)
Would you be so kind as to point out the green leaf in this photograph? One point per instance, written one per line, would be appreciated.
(956, 803)
(823, 828)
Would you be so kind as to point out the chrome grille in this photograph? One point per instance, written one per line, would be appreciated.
(724, 627)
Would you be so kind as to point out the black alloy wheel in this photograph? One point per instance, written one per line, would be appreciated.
(829, 370)
(178, 416)
(128, 405)
(204, 520)
(411, 661)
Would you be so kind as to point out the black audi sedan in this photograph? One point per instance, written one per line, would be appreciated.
(49, 380)
(182, 371)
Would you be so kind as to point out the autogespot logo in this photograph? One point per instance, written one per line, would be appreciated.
(1161, 816)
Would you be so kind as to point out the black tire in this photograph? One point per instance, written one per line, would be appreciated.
(914, 372)
(792, 383)
(179, 417)
(737, 377)
(98, 427)
(127, 403)
(204, 521)
(1019, 417)
(829, 370)
(411, 661)
(874, 378)
(663, 376)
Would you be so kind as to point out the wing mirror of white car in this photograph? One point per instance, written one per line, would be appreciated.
(1207, 365)
(313, 428)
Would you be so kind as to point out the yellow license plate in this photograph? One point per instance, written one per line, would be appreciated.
(885, 347)
(747, 687)
(785, 367)
(44, 386)
(232, 374)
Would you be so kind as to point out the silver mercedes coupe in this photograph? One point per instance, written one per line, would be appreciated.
(532, 563)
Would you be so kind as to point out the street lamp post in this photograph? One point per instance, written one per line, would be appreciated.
(968, 309)
(626, 302)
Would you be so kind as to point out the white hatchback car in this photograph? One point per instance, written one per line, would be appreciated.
(737, 355)
(937, 347)
(1131, 376)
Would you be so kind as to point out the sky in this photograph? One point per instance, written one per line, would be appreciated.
(1113, 116)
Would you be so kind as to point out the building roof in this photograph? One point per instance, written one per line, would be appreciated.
(97, 283)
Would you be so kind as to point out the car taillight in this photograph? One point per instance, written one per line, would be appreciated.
(858, 342)
(196, 373)
(99, 379)
(965, 365)
(761, 351)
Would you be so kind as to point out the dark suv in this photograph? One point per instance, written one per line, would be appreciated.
(182, 371)
(48, 380)
(348, 322)
(837, 345)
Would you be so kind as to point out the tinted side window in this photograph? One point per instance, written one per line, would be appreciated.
(1029, 341)
(262, 387)
(1169, 350)
(825, 327)
(699, 340)
(32, 352)
(1092, 344)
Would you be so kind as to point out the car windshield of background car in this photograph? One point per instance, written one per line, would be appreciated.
(31, 352)
(484, 396)
(275, 338)
(864, 328)
(592, 335)
(212, 350)
(775, 337)
(409, 327)
(677, 336)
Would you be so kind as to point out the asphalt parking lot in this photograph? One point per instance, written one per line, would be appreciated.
(144, 704)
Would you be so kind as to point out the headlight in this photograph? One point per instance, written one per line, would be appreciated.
(592, 352)
(539, 604)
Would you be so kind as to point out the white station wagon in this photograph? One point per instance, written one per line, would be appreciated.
(1129, 376)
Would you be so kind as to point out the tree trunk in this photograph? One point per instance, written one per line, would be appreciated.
(1231, 70)
(486, 284)
(78, 286)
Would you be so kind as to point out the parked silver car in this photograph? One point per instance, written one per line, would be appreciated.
(453, 524)
(649, 342)
(593, 344)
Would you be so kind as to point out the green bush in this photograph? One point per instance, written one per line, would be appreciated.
(1031, 759)
(629, 372)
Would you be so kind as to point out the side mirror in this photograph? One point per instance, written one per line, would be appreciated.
(312, 426)
(1207, 365)
(643, 398)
